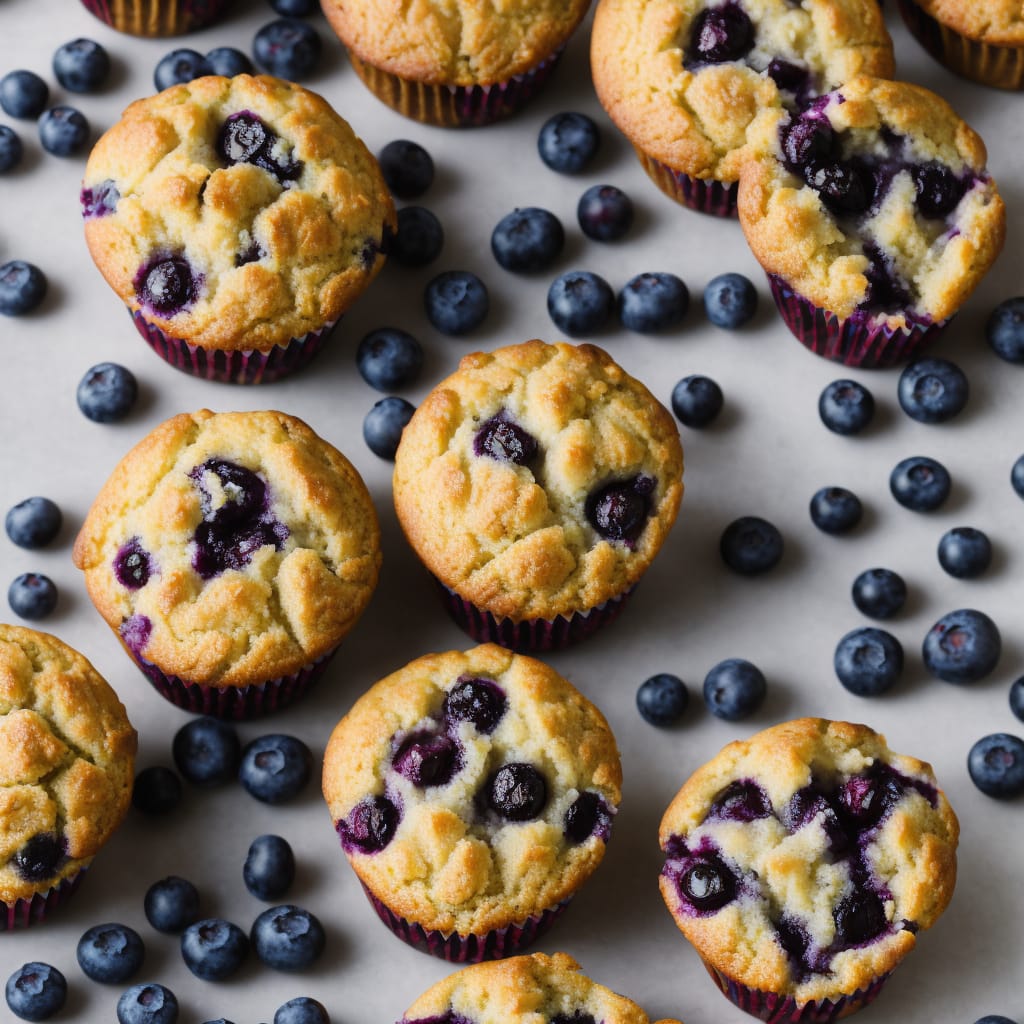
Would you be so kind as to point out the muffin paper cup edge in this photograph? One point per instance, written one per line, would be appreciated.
(25, 912)
(717, 198)
(156, 17)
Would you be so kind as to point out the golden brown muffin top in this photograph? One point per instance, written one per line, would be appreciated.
(996, 22)
(231, 548)
(272, 213)
(410, 772)
(804, 860)
(67, 759)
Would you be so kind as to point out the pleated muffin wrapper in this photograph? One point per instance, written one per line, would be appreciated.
(1001, 67)
(156, 17)
(25, 912)
(233, 366)
(705, 195)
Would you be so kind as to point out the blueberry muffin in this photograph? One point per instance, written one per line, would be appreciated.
(687, 80)
(156, 17)
(237, 218)
(473, 793)
(67, 760)
(231, 553)
(802, 863)
(537, 483)
(535, 989)
(875, 218)
(454, 64)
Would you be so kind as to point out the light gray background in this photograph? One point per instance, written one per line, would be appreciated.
(767, 455)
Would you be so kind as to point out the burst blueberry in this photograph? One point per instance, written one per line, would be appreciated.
(370, 825)
(157, 790)
(879, 593)
(605, 213)
(110, 953)
(1004, 330)
(920, 484)
(846, 407)
(171, 904)
(383, 426)
(148, 1003)
(407, 167)
(213, 949)
(180, 66)
(734, 689)
(662, 699)
(480, 701)
(721, 34)
(502, 439)
(269, 868)
(36, 991)
(751, 545)
(40, 857)
(965, 552)
(427, 759)
(288, 938)
(653, 301)
(805, 141)
(730, 300)
(568, 142)
(939, 190)
(619, 511)
(996, 765)
(227, 61)
(244, 138)
(742, 800)
(843, 188)
(835, 510)
(23, 94)
(11, 149)
(962, 647)
(587, 815)
(302, 1010)
(580, 303)
(527, 240)
(33, 523)
(932, 390)
(707, 884)
(287, 48)
(456, 302)
(81, 65)
(517, 792)
(167, 285)
(859, 917)
(22, 287)
(207, 751)
(868, 661)
(32, 595)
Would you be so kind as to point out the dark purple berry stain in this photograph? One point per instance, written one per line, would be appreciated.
(867, 798)
(720, 34)
(427, 759)
(810, 804)
(99, 200)
(742, 800)
(135, 632)
(252, 253)
(133, 565)
(707, 885)
(480, 701)
(370, 825)
(885, 289)
(588, 815)
(790, 77)
(517, 792)
(167, 285)
(448, 1017)
(859, 918)
(504, 440)
(619, 510)
(40, 858)
(939, 190)
(576, 1017)
(245, 139)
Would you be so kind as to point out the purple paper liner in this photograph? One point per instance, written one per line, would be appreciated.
(703, 195)
(531, 635)
(25, 912)
(1001, 67)
(469, 949)
(774, 1008)
(455, 106)
(236, 366)
(858, 340)
(156, 17)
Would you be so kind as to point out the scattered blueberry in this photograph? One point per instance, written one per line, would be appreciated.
(33, 523)
(227, 61)
(868, 661)
(213, 949)
(287, 938)
(734, 689)
(148, 1003)
(751, 545)
(962, 647)
(1005, 330)
(456, 302)
(32, 595)
(1017, 476)
(63, 131)
(846, 407)
(36, 991)
(389, 358)
(383, 425)
(179, 66)
(302, 1010)
(294, 8)
(527, 240)
(605, 213)
(567, 142)
(932, 390)
(994, 1018)
(23, 94)
(580, 302)
(1017, 697)
(879, 593)
(920, 483)
(81, 65)
(107, 392)
(730, 300)
(11, 149)
(835, 510)
(207, 751)
(110, 953)
(696, 401)
(653, 302)
(22, 287)
(407, 167)
(662, 699)
(996, 765)
(275, 768)
(157, 790)
(287, 48)
(965, 552)
(171, 904)
(517, 791)
(418, 239)
(269, 868)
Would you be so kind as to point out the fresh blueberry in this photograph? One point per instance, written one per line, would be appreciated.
(213, 949)
(653, 302)
(81, 65)
(730, 300)
(605, 213)
(734, 689)
(32, 595)
(302, 1010)
(1017, 476)
(568, 142)
(294, 8)
(517, 791)
(580, 302)
(868, 661)
(751, 545)
(721, 34)
(407, 167)
(879, 593)
(383, 426)
(480, 701)
(696, 401)
(22, 287)
(171, 904)
(227, 61)
(1017, 697)
(36, 991)
(110, 953)
(287, 48)
(418, 239)
(456, 302)
(180, 66)
(742, 800)
(527, 240)
(389, 358)
(920, 483)
(33, 523)
(932, 390)
(148, 1003)
(996, 765)
(846, 407)
(269, 868)
(275, 768)
(63, 131)
(107, 392)
(1005, 330)
(11, 149)
(287, 938)
(207, 751)
(965, 552)
(835, 510)
(157, 790)
(662, 699)
(23, 94)
(962, 647)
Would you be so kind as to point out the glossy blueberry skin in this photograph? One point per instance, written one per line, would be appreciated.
(920, 483)
(1004, 330)
(407, 167)
(157, 790)
(480, 701)
(517, 791)
(662, 699)
(1017, 697)
(81, 65)
(734, 689)
(527, 240)
(456, 302)
(110, 953)
(383, 426)
(32, 596)
(846, 407)
(39, 858)
(996, 765)
(287, 48)
(275, 768)
(722, 33)
(23, 94)
(213, 949)
(36, 991)
(879, 593)
(207, 751)
(370, 825)
(868, 661)
(171, 904)
(962, 647)
(302, 1010)
(835, 510)
(179, 66)
(107, 393)
(287, 938)
(932, 390)
(730, 300)
(389, 358)
(1017, 476)
(148, 1003)
(294, 8)
(33, 523)
(605, 213)
(965, 552)
(751, 545)
(227, 61)
(580, 303)
(568, 142)
(653, 301)
(11, 149)
(696, 401)
(22, 287)
(418, 238)
(63, 131)
(269, 868)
